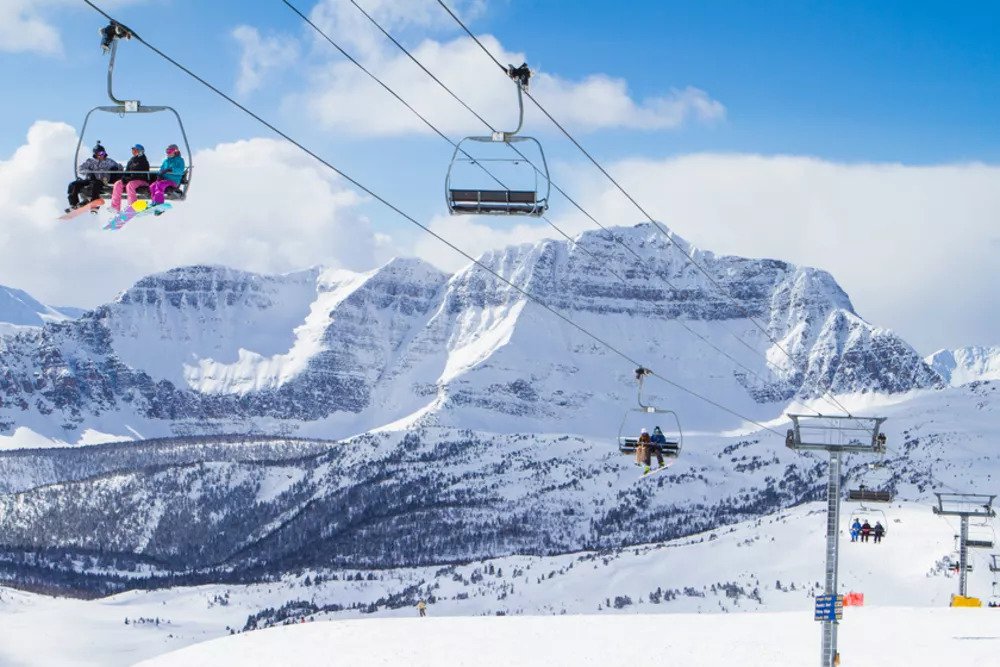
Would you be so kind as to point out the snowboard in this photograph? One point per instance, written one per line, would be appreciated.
(91, 206)
(656, 470)
(138, 209)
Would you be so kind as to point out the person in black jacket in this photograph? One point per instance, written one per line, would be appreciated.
(136, 176)
(96, 171)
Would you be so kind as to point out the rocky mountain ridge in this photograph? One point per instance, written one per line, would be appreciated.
(326, 353)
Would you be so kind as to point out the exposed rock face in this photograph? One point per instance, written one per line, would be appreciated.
(210, 349)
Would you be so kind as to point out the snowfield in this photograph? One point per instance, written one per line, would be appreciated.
(888, 637)
(745, 596)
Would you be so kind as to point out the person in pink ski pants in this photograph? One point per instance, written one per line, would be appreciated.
(170, 174)
(132, 179)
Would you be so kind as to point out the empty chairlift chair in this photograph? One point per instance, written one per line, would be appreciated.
(502, 174)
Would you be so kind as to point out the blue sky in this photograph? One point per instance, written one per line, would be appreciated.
(913, 82)
(910, 86)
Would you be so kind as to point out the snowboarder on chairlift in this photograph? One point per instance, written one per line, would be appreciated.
(96, 171)
(866, 531)
(170, 175)
(136, 176)
(878, 531)
(855, 530)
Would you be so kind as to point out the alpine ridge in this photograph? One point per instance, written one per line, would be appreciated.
(330, 353)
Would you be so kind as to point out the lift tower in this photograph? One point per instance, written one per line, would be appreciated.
(965, 505)
(835, 434)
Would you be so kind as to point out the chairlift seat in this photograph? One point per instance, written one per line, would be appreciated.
(867, 495)
(979, 544)
(495, 202)
(670, 449)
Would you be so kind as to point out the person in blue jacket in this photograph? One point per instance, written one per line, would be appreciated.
(657, 442)
(855, 530)
(170, 175)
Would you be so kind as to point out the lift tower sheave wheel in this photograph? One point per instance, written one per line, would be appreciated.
(835, 434)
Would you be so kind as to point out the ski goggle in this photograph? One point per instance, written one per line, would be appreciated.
(171, 151)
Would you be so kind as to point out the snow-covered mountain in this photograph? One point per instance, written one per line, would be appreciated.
(967, 364)
(20, 311)
(410, 422)
(100, 519)
(333, 353)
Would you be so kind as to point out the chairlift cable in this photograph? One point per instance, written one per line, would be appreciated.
(611, 234)
(450, 141)
(414, 221)
(392, 92)
(597, 164)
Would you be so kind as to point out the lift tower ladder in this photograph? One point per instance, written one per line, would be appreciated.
(834, 434)
(964, 505)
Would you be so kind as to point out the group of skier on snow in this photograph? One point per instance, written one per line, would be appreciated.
(100, 170)
(862, 531)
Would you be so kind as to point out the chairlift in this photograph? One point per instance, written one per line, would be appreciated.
(862, 495)
(109, 43)
(672, 433)
(524, 185)
(981, 536)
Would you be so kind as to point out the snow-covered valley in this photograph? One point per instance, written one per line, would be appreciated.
(702, 596)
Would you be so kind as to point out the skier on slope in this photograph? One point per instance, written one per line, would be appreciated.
(170, 174)
(135, 177)
(422, 608)
(97, 170)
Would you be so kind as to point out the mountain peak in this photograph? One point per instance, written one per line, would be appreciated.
(966, 364)
(19, 310)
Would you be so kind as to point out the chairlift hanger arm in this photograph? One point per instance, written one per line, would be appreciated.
(520, 76)
(109, 42)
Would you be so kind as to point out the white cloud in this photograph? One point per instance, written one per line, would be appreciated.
(26, 27)
(22, 27)
(259, 205)
(261, 56)
(910, 245)
(347, 26)
(601, 101)
(597, 101)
